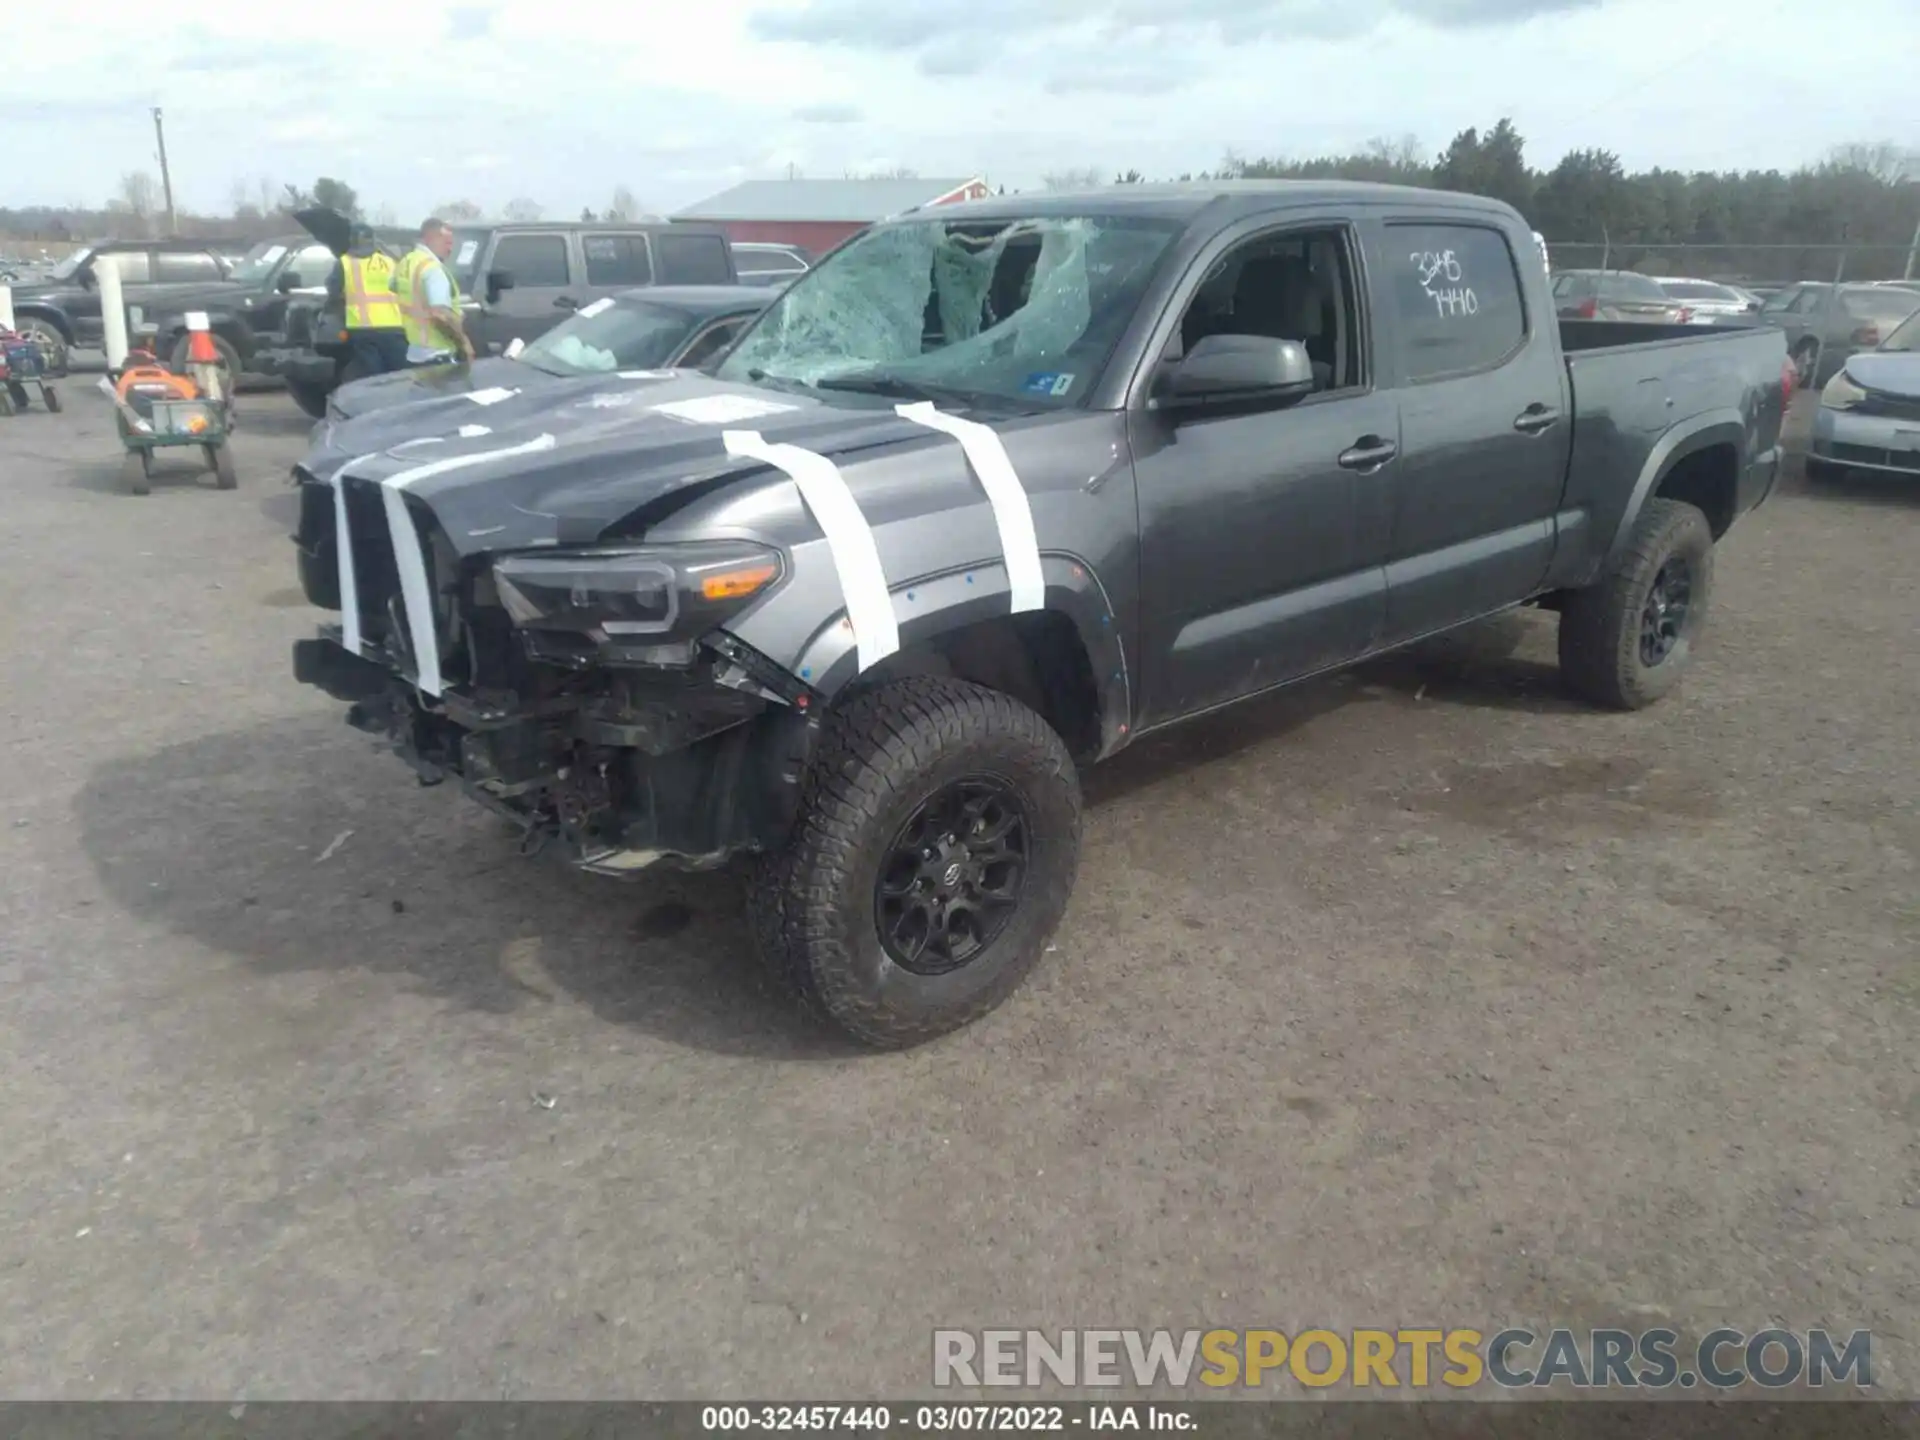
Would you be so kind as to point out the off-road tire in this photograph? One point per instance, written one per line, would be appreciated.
(881, 755)
(312, 399)
(54, 350)
(136, 470)
(220, 461)
(1600, 626)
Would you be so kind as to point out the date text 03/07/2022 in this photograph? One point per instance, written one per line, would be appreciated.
(942, 1418)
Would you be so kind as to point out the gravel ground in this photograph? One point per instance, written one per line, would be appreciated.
(1419, 996)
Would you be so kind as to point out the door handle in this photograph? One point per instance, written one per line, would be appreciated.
(1535, 418)
(566, 302)
(1369, 452)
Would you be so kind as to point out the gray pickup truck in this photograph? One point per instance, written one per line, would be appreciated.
(991, 493)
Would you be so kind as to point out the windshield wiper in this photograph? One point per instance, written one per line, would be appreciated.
(875, 382)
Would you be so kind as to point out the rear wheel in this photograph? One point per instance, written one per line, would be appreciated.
(53, 345)
(229, 361)
(936, 847)
(1626, 640)
(220, 461)
(52, 397)
(137, 471)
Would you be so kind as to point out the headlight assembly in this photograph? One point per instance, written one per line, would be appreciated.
(642, 594)
(1841, 393)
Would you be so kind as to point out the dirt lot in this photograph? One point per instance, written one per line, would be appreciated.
(1424, 996)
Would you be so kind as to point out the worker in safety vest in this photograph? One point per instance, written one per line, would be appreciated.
(370, 310)
(430, 299)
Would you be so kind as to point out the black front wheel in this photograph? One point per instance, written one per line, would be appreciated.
(937, 843)
(1626, 640)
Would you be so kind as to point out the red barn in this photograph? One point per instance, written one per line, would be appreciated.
(818, 214)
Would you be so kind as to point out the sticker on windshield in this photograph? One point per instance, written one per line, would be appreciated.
(1047, 382)
(721, 409)
(603, 303)
(606, 400)
(493, 396)
(646, 374)
(465, 257)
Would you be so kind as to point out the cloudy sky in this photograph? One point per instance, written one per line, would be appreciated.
(497, 99)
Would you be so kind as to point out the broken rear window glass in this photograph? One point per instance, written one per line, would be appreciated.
(1027, 308)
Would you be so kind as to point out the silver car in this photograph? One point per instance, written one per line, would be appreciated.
(1710, 302)
(1826, 324)
(1869, 415)
(1615, 295)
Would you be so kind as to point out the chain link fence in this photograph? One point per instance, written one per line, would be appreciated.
(1751, 264)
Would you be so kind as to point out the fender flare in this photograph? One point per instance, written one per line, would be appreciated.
(45, 310)
(1688, 437)
(945, 601)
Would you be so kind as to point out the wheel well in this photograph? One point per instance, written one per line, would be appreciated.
(1036, 657)
(52, 317)
(1708, 480)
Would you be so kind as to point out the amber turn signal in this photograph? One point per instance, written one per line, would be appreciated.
(737, 584)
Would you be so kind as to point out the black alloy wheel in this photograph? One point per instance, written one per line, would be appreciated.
(1663, 619)
(953, 876)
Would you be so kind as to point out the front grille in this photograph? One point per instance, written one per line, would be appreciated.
(1873, 455)
(1895, 407)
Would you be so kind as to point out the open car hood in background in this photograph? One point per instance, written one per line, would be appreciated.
(329, 227)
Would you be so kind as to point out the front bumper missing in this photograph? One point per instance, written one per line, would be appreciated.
(615, 786)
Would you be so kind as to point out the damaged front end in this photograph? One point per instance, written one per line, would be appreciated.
(588, 695)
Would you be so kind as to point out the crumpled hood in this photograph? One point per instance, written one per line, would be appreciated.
(441, 385)
(562, 462)
(1892, 372)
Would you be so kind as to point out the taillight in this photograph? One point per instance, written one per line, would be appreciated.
(1588, 308)
(1867, 335)
(1686, 315)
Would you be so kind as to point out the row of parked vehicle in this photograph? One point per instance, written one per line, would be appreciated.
(1826, 323)
(269, 312)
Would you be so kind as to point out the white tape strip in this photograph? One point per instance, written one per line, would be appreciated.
(411, 564)
(1005, 494)
(343, 547)
(863, 583)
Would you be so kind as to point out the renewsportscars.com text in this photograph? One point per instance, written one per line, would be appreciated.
(1458, 1359)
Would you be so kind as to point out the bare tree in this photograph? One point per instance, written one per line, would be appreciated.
(625, 206)
(265, 195)
(386, 217)
(240, 201)
(523, 210)
(1882, 159)
(1087, 177)
(894, 172)
(457, 210)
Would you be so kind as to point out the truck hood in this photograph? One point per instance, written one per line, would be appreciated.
(442, 385)
(1891, 372)
(565, 462)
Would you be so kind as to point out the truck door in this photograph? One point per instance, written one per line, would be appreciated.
(1263, 530)
(1483, 429)
(538, 263)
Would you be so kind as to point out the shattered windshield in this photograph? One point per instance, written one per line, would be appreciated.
(259, 262)
(1027, 309)
(68, 267)
(610, 335)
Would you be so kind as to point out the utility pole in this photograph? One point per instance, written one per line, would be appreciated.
(166, 176)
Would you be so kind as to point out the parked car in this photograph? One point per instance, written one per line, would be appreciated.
(1615, 295)
(858, 601)
(63, 311)
(658, 328)
(1869, 416)
(1708, 301)
(765, 263)
(1826, 323)
(516, 282)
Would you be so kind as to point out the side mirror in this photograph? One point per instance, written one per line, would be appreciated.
(287, 283)
(1239, 370)
(498, 280)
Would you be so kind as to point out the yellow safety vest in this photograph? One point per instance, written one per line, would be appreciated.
(367, 287)
(412, 294)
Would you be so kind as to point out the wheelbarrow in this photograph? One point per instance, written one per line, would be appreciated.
(21, 364)
(157, 409)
